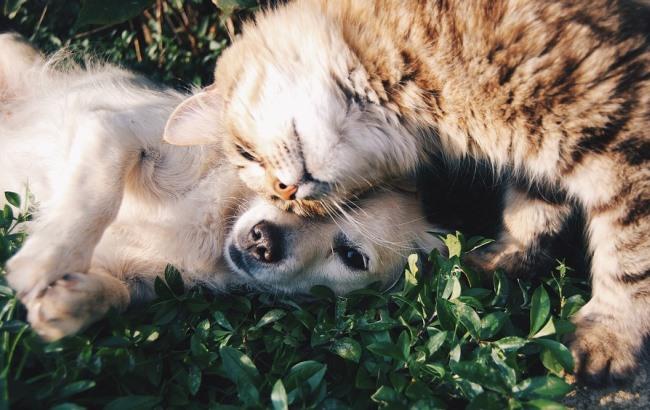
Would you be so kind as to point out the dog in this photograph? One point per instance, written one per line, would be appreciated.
(113, 205)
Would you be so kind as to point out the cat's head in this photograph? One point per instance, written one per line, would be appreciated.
(295, 112)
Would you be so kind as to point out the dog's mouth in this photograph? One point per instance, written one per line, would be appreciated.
(235, 258)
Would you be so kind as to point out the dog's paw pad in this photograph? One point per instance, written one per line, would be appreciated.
(67, 306)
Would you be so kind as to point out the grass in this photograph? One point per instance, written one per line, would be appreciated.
(446, 338)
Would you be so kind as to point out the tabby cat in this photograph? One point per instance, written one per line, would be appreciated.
(321, 100)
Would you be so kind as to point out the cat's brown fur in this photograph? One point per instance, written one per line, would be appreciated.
(330, 97)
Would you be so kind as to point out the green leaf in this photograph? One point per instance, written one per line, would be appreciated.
(488, 401)
(385, 394)
(547, 330)
(404, 343)
(479, 373)
(508, 374)
(133, 402)
(194, 380)
(347, 348)
(453, 243)
(511, 343)
(476, 242)
(540, 310)
(572, 305)
(492, 323)
(469, 319)
(269, 317)
(76, 387)
(109, 13)
(174, 280)
(12, 197)
(12, 7)
(307, 376)
(435, 342)
(279, 398)
(410, 273)
(162, 289)
(67, 406)
(542, 404)
(323, 292)
(545, 387)
(560, 352)
(8, 213)
(551, 363)
(221, 320)
(240, 369)
(501, 289)
(387, 350)
(228, 7)
(445, 312)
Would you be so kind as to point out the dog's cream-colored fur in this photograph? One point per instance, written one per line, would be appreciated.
(114, 204)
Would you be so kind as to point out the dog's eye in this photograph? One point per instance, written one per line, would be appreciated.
(245, 154)
(352, 257)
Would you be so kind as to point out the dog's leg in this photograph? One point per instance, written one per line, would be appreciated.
(102, 150)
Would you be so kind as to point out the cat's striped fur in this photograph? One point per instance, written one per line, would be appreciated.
(330, 97)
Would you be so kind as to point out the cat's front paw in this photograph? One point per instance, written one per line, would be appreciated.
(497, 255)
(72, 303)
(515, 259)
(603, 352)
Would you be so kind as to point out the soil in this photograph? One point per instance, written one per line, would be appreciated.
(635, 395)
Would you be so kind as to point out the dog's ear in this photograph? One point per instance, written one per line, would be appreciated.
(196, 120)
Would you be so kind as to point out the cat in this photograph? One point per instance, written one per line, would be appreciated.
(321, 100)
(115, 205)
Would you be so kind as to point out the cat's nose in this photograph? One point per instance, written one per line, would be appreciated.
(284, 191)
(264, 243)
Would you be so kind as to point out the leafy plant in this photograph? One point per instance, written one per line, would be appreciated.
(448, 338)
(171, 41)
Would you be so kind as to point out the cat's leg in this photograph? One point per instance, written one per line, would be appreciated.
(529, 223)
(614, 325)
(102, 151)
(75, 301)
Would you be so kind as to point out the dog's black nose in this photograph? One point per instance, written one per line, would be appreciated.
(264, 243)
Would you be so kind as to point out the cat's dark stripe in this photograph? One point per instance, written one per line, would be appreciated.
(639, 209)
(635, 150)
(633, 279)
(596, 140)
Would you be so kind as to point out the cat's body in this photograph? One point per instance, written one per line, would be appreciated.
(322, 99)
(115, 205)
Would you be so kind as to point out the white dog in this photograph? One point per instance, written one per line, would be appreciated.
(114, 205)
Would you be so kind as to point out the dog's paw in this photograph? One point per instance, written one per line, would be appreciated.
(603, 352)
(72, 303)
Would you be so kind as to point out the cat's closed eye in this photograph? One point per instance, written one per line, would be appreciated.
(245, 154)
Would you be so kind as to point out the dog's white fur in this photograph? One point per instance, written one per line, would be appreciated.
(115, 205)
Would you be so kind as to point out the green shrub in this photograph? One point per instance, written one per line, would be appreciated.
(172, 41)
(447, 338)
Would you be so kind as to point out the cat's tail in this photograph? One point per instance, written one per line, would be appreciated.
(17, 58)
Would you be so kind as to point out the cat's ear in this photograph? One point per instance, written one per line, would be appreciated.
(197, 120)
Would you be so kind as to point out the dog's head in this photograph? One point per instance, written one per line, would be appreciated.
(282, 252)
